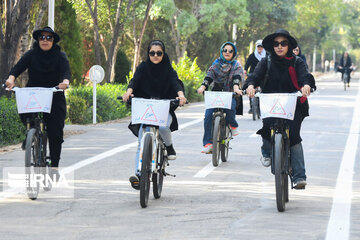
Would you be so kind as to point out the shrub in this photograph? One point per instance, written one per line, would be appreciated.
(76, 109)
(192, 76)
(108, 107)
(11, 128)
(122, 67)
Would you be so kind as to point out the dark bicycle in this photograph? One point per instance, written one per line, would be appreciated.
(346, 77)
(280, 150)
(255, 106)
(153, 160)
(37, 162)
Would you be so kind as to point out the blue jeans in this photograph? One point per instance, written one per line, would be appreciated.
(297, 158)
(208, 121)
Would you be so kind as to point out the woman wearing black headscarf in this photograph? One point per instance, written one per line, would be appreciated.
(47, 67)
(155, 78)
(287, 74)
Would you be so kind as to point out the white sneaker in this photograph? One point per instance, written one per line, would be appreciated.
(266, 161)
(207, 148)
(234, 131)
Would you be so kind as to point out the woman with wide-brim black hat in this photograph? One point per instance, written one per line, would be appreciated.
(47, 67)
(286, 74)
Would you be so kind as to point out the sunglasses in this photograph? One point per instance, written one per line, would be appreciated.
(158, 53)
(47, 37)
(282, 43)
(230, 51)
(260, 46)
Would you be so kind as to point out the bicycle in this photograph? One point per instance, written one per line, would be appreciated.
(255, 107)
(280, 146)
(36, 143)
(221, 135)
(346, 77)
(152, 160)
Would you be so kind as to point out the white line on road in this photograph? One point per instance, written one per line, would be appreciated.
(206, 170)
(339, 222)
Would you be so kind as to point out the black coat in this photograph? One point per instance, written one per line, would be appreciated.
(158, 81)
(279, 81)
(251, 63)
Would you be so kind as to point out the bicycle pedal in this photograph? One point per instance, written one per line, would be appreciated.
(168, 174)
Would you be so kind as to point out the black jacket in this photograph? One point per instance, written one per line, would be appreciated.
(251, 63)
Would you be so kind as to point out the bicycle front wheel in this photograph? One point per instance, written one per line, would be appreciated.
(280, 173)
(216, 142)
(145, 171)
(158, 177)
(45, 163)
(225, 143)
(32, 156)
(254, 108)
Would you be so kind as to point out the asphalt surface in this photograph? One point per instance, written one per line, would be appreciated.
(236, 200)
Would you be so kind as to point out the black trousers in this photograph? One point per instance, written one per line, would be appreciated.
(55, 122)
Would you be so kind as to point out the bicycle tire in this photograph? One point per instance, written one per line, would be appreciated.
(286, 188)
(216, 142)
(253, 108)
(225, 144)
(47, 168)
(258, 107)
(145, 171)
(32, 154)
(158, 177)
(280, 175)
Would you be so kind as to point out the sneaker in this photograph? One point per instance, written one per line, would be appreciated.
(135, 182)
(266, 161)
(207, 148)
(250, 111)
(234, 131)
(299, 183)
(171, 154)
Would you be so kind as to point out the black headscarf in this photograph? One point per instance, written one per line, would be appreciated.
(45, 61)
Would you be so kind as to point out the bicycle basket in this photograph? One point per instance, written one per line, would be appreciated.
(30, 99)
(278, 105)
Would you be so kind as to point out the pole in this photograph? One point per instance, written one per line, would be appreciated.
(51, 14)
(314, 60)
(94, 102)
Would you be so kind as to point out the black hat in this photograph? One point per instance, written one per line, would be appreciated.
(36, 33)
(268, 41)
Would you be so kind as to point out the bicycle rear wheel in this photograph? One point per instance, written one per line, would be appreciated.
(280, 173)
(216, 142)
(158, 177)
(145, 171)
(225, 142)
(254, 108)
(32, 155)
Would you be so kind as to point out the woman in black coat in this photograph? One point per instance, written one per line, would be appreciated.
(345, 62)
(47, 67)
(155, 78)
(285, 76)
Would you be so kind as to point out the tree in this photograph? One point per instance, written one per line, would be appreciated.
(14, 21)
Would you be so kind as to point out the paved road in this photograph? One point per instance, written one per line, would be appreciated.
(233, 201)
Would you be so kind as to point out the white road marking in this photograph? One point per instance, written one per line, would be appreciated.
(206, 170)
(339, 222)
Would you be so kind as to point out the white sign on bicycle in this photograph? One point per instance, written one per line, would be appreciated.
(150, 111)
(33, 99)
(278, 105)
(215, 99)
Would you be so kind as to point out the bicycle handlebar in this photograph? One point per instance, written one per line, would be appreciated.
(54, 89)
(173, 102)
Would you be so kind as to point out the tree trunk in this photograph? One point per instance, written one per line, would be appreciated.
(176, 38)
(323, 60)
(137, 41)
(42, 11)
(93, 14)
(23, 47)
(111, 55)
(15, 17)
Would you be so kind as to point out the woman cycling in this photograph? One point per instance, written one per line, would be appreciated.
(225, 73)
(155, 78)
(47, 67)
(345, 64)
(287, 74)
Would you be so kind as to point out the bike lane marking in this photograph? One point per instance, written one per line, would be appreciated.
(9, 193)
(339, 222)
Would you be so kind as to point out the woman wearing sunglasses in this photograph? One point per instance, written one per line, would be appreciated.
(47, 67)
(224, 73)
(155, 78)
(286, 74)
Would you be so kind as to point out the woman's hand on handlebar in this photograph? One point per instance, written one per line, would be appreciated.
(127, 95)
(305, 90)
(250, 91)
(64, 85)
(237, 90)
(182, 98)
(201, 89)
(10, 82)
